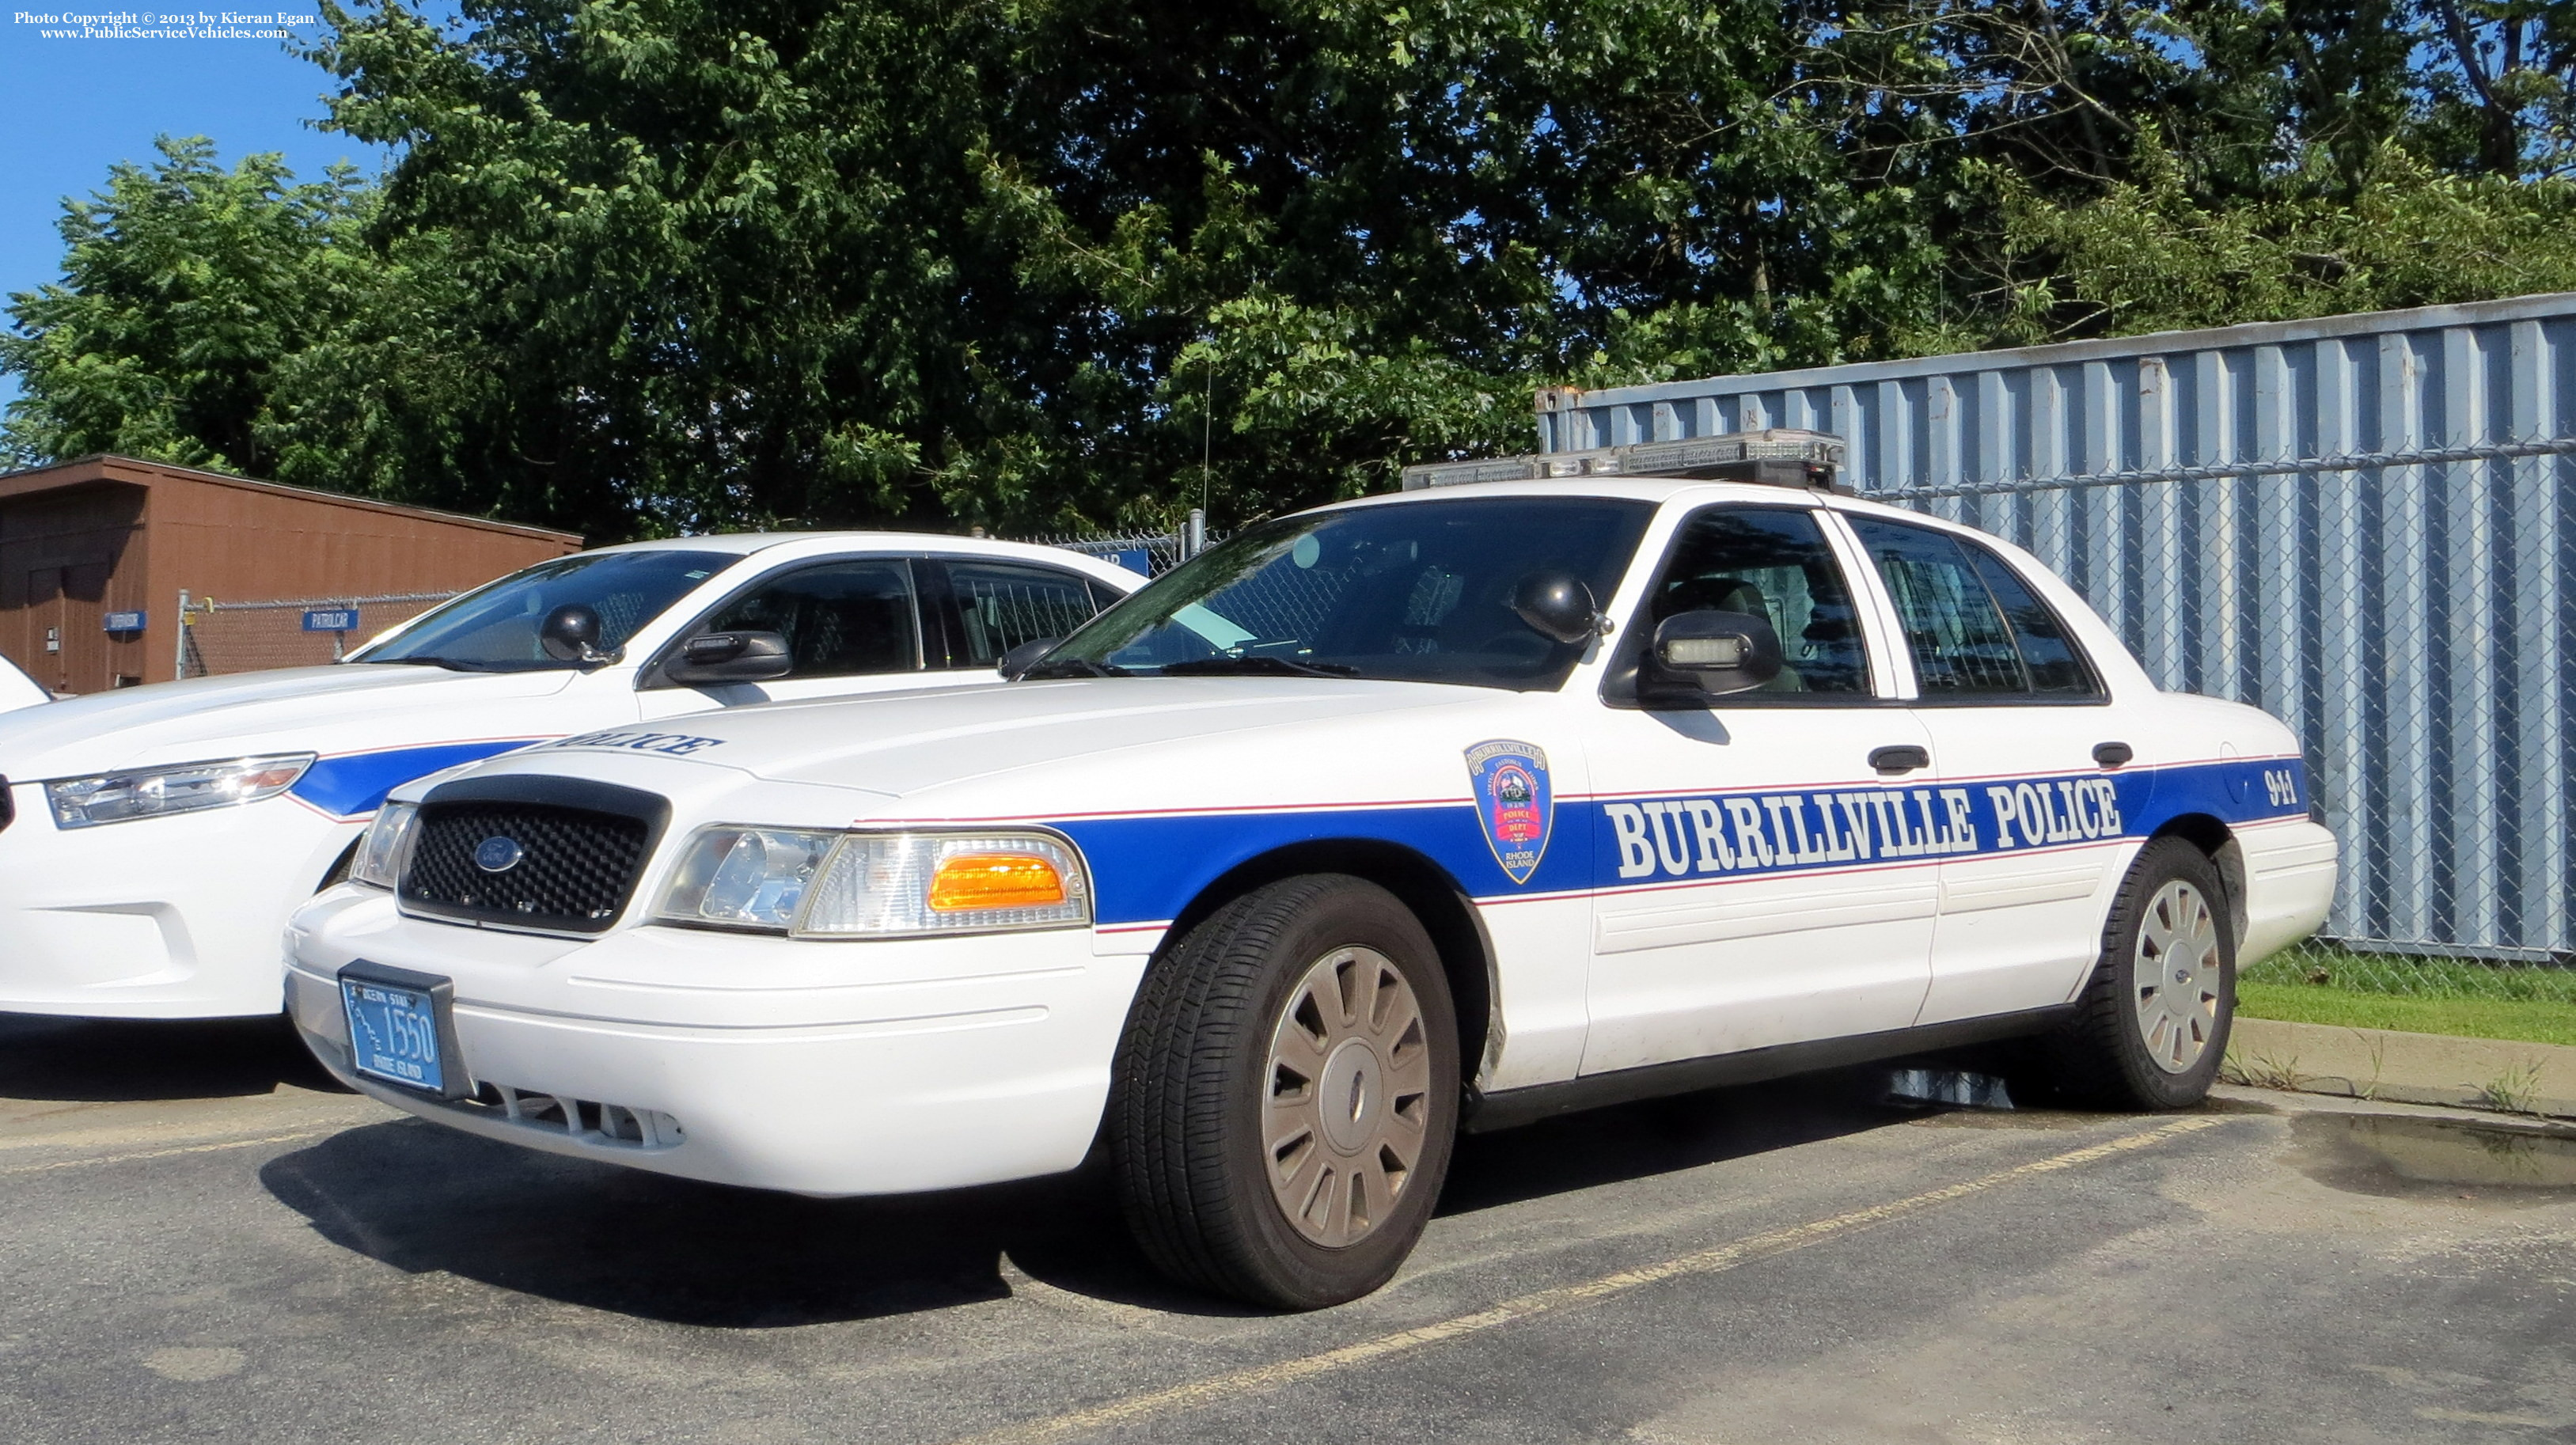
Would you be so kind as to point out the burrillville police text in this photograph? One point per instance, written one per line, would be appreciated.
(165, 24)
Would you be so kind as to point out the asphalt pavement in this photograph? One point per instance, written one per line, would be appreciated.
(202, 1240)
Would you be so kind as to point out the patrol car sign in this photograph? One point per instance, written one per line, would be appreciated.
(331, 619)
(1513, 803)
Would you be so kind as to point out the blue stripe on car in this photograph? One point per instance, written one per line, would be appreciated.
(355, 785)
(1146, 869)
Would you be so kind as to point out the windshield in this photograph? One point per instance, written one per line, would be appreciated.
(494, 629)
(1414, 592)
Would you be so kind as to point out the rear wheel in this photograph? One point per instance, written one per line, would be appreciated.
(2151, 1026)
(1288, 1095)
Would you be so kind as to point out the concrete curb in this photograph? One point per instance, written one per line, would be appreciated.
(2500, 1075)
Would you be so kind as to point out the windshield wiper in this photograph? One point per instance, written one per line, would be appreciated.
(1259, 664)
(1074, 667)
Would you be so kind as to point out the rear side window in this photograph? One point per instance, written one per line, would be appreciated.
(843, 619)
(1003, 606)
(2048, 655)
(1974, 629)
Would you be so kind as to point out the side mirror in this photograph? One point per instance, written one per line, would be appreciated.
(570, 633)
(1718, 652)
(718, 657)
(1557, 606)
(1023, 657)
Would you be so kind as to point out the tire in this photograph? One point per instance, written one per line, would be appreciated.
(2151, 1025)
(1236, 1172)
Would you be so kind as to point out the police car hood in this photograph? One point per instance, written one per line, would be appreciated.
(303, 709)
(1054, 746)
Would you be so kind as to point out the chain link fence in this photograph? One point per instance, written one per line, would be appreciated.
(217, 637)
(1149, 553)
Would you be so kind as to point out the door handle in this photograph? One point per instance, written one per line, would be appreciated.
(2111, 755)
(1902, 758)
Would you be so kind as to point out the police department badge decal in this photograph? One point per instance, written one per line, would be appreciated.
(1514, 805)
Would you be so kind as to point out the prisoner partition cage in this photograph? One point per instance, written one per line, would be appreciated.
(2365, 525)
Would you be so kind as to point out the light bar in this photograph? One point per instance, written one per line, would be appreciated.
(1780, 456)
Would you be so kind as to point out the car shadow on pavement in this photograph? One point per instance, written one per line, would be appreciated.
(425, 1199)
(429, 1200)
(1661, 1136)
(121, 1060)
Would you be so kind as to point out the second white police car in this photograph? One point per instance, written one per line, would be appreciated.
(153, 840)
(1447, 809)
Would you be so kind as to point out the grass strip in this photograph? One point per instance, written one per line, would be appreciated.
(2320, 964)
(2529, 1020)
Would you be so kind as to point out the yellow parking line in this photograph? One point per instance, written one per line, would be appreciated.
(141, 1154)
(1199, 1393)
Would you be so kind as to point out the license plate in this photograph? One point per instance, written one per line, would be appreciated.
(400, 1028)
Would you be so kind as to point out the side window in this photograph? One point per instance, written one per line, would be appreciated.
(1003, 606)
(1772, 562)
(841, 619)
(1974, 630)
(2047, 653)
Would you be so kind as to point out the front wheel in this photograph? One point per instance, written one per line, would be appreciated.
(2151, 1025)
(1287, 1095)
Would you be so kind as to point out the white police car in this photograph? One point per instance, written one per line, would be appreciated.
(162, 835)
(1461, 806)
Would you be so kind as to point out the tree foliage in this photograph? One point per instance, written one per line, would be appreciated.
(656, 265)
(186, 289)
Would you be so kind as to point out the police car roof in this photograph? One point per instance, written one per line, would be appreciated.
(1657, 490)
(745, 543)
(1642, 489)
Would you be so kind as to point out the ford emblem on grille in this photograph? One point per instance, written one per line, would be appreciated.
(498, 854)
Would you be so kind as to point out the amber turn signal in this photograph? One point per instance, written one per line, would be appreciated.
(994, 880)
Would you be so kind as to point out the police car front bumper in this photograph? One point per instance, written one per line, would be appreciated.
(824, 1068)
(159, 918)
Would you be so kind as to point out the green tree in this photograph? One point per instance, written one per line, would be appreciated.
(2147, 257)
(185, 288)
(652, 265)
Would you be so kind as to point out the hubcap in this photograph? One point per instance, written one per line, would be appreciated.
(2176, 977)
(1350, 1096)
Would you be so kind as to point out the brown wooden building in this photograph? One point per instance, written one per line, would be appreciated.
(88, 545)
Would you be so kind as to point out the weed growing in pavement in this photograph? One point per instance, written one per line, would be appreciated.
(2516, 1090)
(2262, 1071)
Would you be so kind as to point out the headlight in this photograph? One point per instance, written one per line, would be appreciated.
(746, 877)
(152, 792)
(387, 846)
(877, 885)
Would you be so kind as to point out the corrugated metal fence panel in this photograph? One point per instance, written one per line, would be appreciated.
(2413, 622)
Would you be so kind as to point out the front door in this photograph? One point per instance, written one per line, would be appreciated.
(2015, 714)
(1759, 881)
(42, 648)
(66, 607)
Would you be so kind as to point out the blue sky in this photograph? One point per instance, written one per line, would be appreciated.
(77, 106)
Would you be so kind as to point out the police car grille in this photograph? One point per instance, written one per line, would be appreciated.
(575, 867)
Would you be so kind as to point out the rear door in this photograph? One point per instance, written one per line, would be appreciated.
(2015, 713)
(991, 607)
